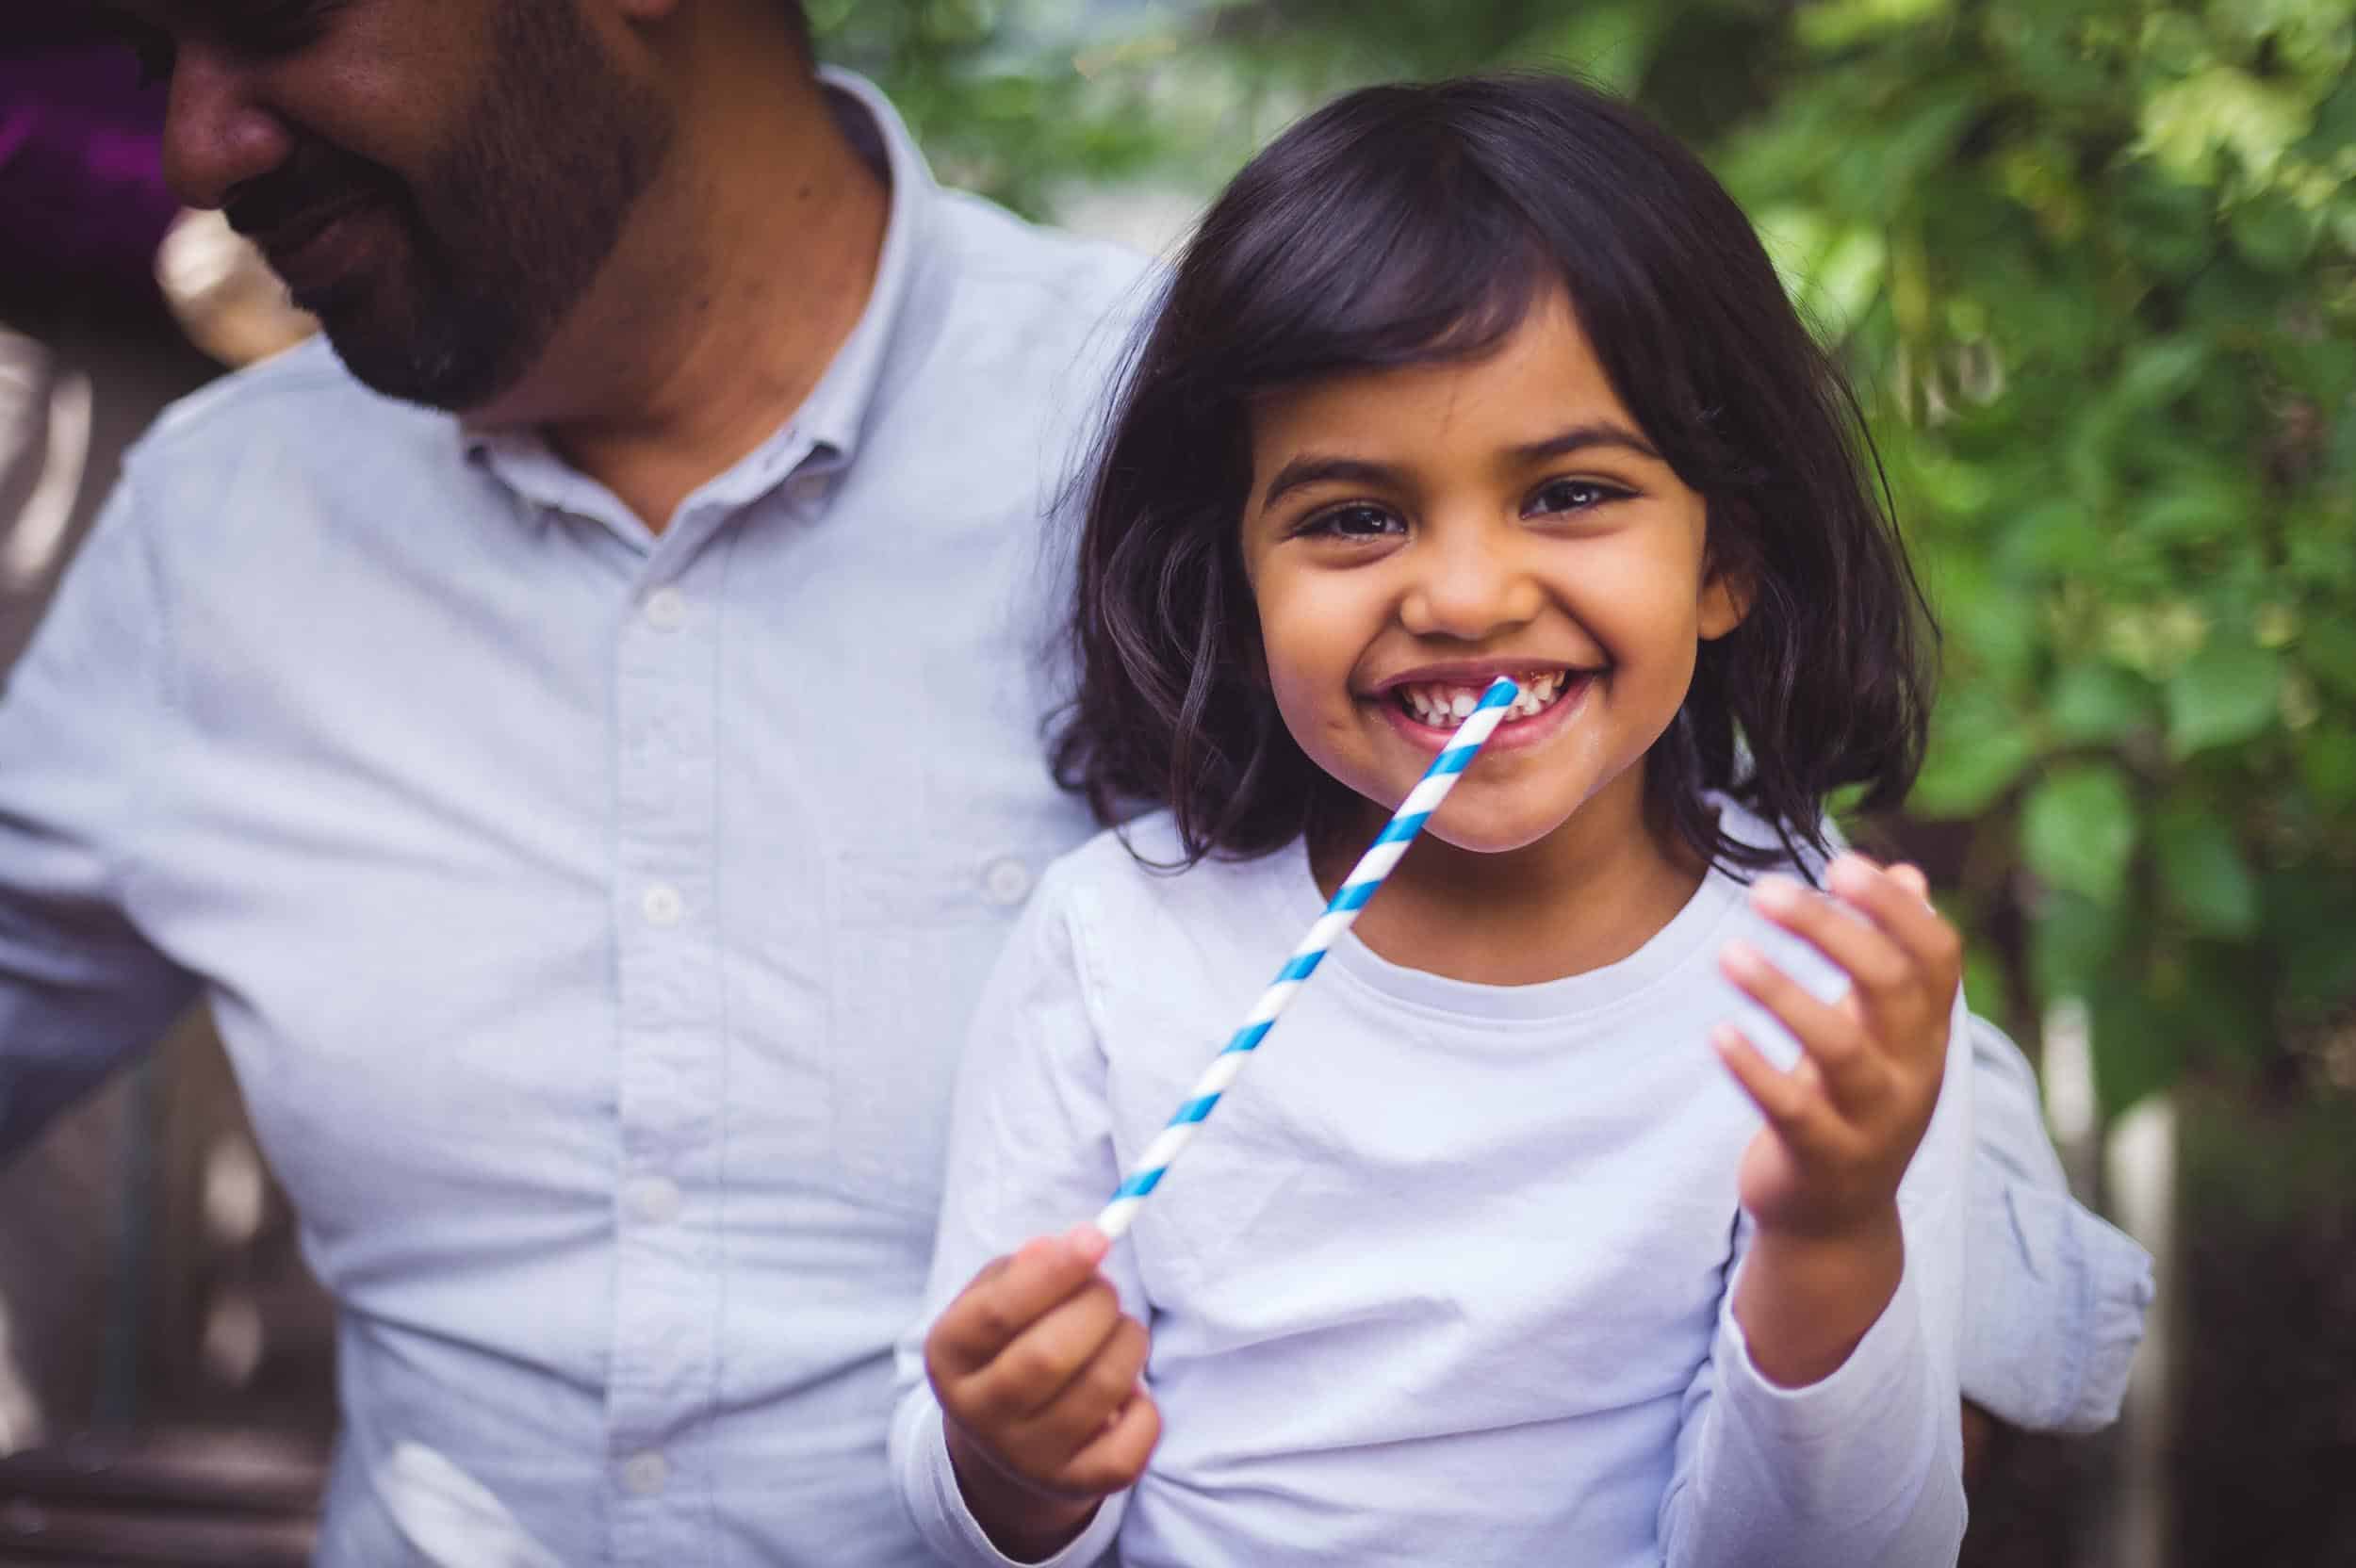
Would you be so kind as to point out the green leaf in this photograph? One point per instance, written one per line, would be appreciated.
(1608, 44)
(1977, 749)
(2217, 1003)
(2227, 691)
(2308, 913)
(2187, 124)
(2136, 1050)
(2097, 701)
(2272, 233)
(2231, 294)
(2323, 368)
(2163, 223)
(2197, 508)
(2326, 764)
(1836, 24)
(2328, 651)
(2058, 537)
(2078, 830)
(2335, 124)
(1997, 622)
(2158, 374)
(2074, 944)
(2204, 874)
(1985, 983)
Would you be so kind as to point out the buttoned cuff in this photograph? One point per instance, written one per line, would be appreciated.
(950, 1529)
(2056, 1310)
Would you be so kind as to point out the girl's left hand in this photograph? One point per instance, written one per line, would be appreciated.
(1845, 1121)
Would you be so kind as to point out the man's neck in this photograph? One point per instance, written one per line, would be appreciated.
(739, 278)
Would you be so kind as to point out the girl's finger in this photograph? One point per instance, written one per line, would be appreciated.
(1115, 1459)
(1796, 1110)
(1033, 1372)
(1093, 1396)
(1887, 981)
(1011, 1294)
(1919, 930)
(1850, 1064)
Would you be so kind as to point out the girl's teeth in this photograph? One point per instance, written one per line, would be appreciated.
(1445, 707)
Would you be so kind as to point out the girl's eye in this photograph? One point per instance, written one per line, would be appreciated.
(1570, 495)
(1356, 521)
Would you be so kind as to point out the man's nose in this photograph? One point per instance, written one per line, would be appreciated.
(1468, 584)
(217, 133)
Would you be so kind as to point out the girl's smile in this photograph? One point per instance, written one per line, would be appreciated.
(1416, 531)
(1427, 705)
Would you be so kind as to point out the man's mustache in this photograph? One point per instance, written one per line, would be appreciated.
(316, 180)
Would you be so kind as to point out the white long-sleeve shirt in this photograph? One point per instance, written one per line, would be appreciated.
(1448, 1276)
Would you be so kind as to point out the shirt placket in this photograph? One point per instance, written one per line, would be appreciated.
(670, 1089)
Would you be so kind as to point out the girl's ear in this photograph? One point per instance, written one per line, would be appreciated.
(1728, 583)
(1727, 596)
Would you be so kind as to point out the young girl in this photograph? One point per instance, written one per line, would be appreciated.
(1489, 1258)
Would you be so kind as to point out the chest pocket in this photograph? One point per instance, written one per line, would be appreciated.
(916, 931)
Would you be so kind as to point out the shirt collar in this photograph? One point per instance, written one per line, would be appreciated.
(825, 430)
(837, 409)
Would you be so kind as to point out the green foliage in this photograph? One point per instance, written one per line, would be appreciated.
(1008, 97)
(2112, 357)
(2093, 265)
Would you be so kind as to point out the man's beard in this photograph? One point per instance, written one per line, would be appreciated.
(506, 228)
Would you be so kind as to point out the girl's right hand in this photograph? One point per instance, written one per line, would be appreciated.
(1037, 1370)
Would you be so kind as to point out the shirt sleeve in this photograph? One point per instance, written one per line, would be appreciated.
(1030, 1153)
(1865, 1465)
(2058, 1295)
(82, 719)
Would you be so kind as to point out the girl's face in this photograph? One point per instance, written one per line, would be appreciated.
(1411, 534)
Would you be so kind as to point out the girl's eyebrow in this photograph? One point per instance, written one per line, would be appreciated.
(1579, 437)
(1309, 468)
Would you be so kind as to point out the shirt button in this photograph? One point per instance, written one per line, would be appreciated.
(1007, 880)
(644, 1474)
(661, 905)
(667, 609)
(811, 488)
(654, 1199)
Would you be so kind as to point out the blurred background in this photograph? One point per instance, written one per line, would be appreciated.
(2092, 264)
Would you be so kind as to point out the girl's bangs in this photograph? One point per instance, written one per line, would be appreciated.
(1410, 262)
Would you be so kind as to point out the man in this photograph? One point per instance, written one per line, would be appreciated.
(585, 744)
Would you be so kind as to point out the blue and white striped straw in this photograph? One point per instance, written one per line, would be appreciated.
(1339, 916)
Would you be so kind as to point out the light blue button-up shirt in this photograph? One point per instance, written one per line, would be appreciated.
(592, 916)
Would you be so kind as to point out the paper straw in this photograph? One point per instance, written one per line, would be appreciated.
(1339, 916)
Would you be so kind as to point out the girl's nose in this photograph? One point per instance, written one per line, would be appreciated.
(217, 133)
(1467, 589)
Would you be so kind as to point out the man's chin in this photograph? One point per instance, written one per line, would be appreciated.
(452, 371)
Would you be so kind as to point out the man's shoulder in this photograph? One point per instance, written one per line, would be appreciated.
(300, 399)
(1009, 263)
(1015, 334)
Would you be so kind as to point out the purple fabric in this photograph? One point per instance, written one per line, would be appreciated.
(82, 197)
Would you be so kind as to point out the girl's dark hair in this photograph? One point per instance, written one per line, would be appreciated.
(1412, 225)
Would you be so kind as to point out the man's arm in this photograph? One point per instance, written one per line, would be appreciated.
(84, 726)
(2055, 1296)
